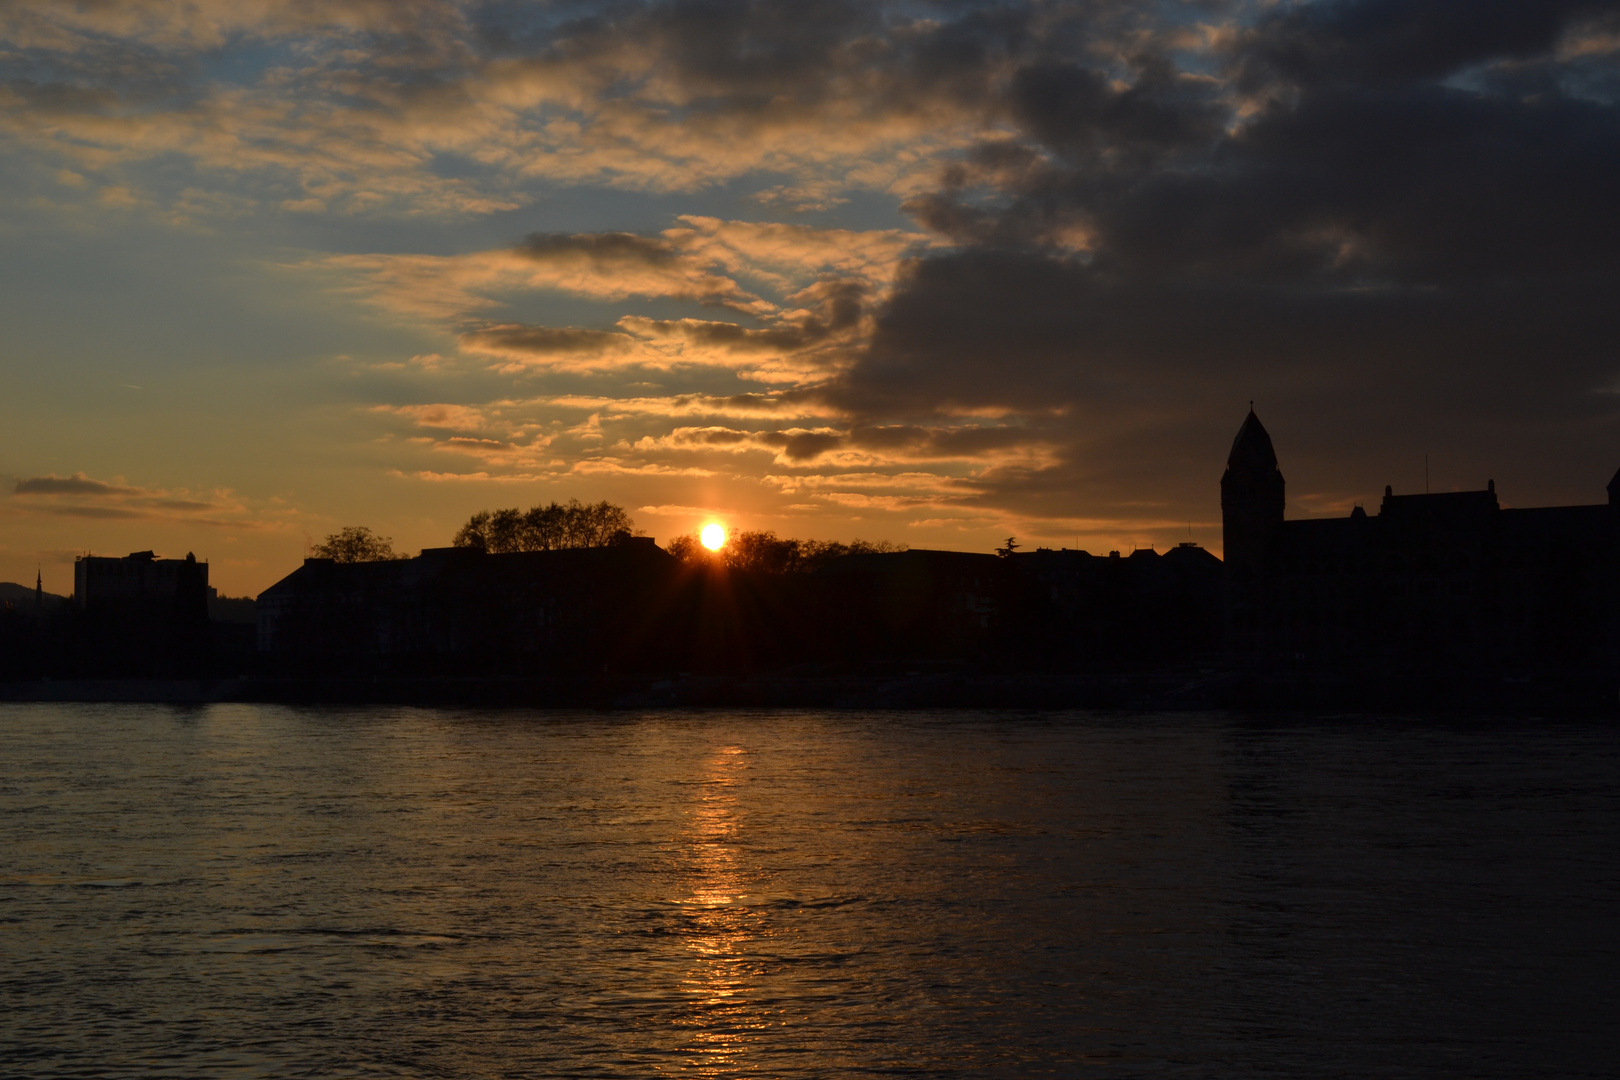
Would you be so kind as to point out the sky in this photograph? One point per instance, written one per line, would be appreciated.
(937, 273)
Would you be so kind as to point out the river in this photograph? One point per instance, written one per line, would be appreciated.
(263, 891)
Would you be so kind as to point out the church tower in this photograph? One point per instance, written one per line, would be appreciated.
(1251, 498)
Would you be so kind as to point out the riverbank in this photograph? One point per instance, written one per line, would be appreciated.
(1559, 693)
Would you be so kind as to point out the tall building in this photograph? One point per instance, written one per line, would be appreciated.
(139, 578)
(1445, 580)
(141, 615)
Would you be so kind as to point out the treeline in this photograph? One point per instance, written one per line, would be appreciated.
(546, 528)
(765, 553)
(557, 526)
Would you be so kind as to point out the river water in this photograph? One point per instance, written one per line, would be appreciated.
(242, 890)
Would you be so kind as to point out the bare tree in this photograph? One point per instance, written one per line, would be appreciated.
(353, 544)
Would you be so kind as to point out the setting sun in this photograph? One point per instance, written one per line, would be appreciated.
(714, 536)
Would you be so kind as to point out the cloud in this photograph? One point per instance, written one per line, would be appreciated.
(619, 265)
(447, 109)
(1391, 216)
(746, 406)
(823, 284)
(529, 344)
(683, 264)
(1354, 207)
(791, 256)
(984, 447)
(1381, 42)
(824, 271)
(456, 417)
(611, 466)
(77, 484)
(1384, 216)
(80, 496)
(473, 477)
(675, 511)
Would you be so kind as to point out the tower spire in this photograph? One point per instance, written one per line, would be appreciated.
(1252, 496)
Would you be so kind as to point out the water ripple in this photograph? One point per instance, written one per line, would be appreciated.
(247, 891)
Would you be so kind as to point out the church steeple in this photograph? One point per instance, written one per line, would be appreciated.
(1251, 450)
(1614, 491)
(1251, 496)
(39, 593)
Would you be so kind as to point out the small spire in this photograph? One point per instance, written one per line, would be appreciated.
(1252, 448)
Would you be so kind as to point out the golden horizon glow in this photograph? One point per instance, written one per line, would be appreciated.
(713, 536)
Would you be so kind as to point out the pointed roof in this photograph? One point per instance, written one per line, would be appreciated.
(1251, 450)
(1614, 490)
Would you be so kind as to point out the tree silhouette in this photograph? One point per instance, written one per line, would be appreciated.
(764, 552)
(355, 544)
(546, 528)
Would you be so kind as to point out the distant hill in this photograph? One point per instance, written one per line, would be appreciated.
(21, 597)
(234, 609)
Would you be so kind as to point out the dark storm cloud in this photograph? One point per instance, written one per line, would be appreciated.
(1412, 213)
(1030, 331)
(1376, 42)
(1342, 177)
(1077, 111)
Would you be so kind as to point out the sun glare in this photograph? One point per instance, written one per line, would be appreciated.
(714, 536)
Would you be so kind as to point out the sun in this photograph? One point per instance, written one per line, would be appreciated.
(714, 536)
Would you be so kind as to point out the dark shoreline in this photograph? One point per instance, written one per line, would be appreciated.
(1561, 693)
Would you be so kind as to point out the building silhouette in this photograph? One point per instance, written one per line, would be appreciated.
(464, 611)
(140, 616)
(1450, 580)
(1445, 582)
(1071, 610)
(910, 606)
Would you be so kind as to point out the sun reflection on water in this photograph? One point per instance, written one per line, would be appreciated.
(722, 981)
